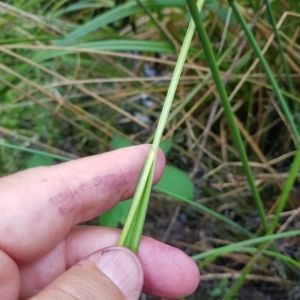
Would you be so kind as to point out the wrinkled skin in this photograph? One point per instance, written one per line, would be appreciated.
(40, 207)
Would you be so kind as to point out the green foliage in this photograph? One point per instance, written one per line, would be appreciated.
(117, 142)
(221, 10)
(173, 180)
(112, 15)
(170, 2)
(218, 291)
(165, 146)
(177, 182)
(116, 215)
(39, 160)
(71, 101)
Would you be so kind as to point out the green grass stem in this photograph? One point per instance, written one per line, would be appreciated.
(131, 233)
(236, 247)
(208, 211)
(288, 185)
(295, 165)
(267, 70)
(186, 100)
(227, 108)
(280, 48)
(33, 151)
(282, 202)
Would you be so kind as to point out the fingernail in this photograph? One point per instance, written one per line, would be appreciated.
(123, 268)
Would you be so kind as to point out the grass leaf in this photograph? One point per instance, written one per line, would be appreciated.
(132, 230)
(176, 181)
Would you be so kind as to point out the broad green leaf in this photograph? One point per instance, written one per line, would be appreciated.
(117, 142)
(165, 146)
(39, 160)
(116, 215)
(177, 182)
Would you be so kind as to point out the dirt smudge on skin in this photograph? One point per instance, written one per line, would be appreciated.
(114, 187)
(64, 202)
(111, 185)
(108, 183)
(64, 210)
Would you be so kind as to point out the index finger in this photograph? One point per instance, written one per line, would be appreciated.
(39, 206)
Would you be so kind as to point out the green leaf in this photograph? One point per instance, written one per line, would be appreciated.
(118, 142)
(170, 2)
(188, 16)
(133, 227)
(112, 15)
(116, 215)
(34, 151)
(244, 62)
(39, 160)
(128, 45)
(165, 146)
(177, 182)
(236, 247)
(77, 7)
(204, 39)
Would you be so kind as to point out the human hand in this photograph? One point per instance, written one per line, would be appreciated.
(42, 253)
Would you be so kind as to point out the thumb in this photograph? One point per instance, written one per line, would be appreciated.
(110, 273)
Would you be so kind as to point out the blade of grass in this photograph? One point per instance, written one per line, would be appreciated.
(277, 255)
(117, 13)
(280, 48)
(29, 150)
(55, 12)
(133, 227)
(282, 201)
(294, 130)
(207, 210)
(157, 24)
(249, 250)
(188, 98)
(288, 185)
(227, 108)
(267, 70)
(134, 220)
(240, 245)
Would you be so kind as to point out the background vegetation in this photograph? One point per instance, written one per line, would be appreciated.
(84, 77)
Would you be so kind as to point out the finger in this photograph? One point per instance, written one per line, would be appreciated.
(168, 272)
(111, 273)
(39, 206)
(9, 278)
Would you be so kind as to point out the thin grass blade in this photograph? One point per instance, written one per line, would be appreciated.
(267, 70)
(227, 108)
(132, 230)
